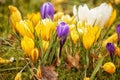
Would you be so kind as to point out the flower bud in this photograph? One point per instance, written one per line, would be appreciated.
(34, 18)
(25, 28)
(62, 32)
(45, 44)
(27, 45)
(34, 54)
(15, 16)
(111, 48)
(39, 73)
(109, 67)
(18, 76)
(118, 31)
(47, 10)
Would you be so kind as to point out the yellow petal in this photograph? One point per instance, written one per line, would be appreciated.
(18, 76)
(113, 38)
(25, 28)
(15, 16)
(27, 45)
(111, 19)
(34, 54)
(74, 36)
(109, 67)
(45, 45)
(4, 61)
(39, 73)
(34, 18)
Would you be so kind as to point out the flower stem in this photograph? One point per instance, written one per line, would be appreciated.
(87, 62)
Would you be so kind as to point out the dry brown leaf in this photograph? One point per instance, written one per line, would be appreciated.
(72, 61)
(48, 73)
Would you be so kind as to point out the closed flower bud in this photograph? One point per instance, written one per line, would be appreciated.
(111, 48)
(74, 36)
(117, 50)
(39, 73)
(34, 54)
(15, 16)
(34, 18)
(27, 45)
(4, 61)
(45, 44)
(90, 36)
(25, 28)
(47, 11)
(62, 32)
(118, 31)
(18, 76)
(109, 67)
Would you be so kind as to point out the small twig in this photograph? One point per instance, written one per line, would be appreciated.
(24, 67)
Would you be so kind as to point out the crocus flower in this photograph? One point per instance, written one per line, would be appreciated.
(62, 33)
(34, 54)
(25, 28)
(34, 18)
(90, 36)
(45, 28)
(118, 31)
(109, 67)
(27, 45)
(47, 10)
(111, 48)
(18, 76)
(15, 16)
(97, 16)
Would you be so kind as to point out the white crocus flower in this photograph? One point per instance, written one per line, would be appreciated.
(98, 15)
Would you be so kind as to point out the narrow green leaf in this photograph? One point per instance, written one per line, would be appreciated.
(96, 68)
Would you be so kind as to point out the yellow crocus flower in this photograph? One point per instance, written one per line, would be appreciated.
(113, 38)
(15, 16)
(18, 76)
(45, 44)
(34, 54)
(25, 28)
(74, 36)
(34, 18)
(27, 44)
(90, 36)
(45, 28)
(109, 67)
(111, 19)
(58, 16)
(88, 40)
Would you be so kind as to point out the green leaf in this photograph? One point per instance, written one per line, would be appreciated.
(96, 68)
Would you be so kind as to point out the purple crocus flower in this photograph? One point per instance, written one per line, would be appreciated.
(47, 10)
(111, 48)
(62, 33)
(118, 31)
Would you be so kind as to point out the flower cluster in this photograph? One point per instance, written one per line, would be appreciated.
(44, 35)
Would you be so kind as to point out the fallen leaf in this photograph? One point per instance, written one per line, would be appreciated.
(48, 73)
(72, 61)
